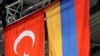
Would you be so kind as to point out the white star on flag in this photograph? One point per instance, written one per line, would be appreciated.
(26, 54)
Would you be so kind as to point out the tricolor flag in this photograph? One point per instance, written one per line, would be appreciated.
(26, 36)
(68, 28)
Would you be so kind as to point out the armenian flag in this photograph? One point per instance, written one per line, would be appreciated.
(68, 28)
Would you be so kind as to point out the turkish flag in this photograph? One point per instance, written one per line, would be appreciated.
(26, 36)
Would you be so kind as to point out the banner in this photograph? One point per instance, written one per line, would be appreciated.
(68, 28)
(26, 36)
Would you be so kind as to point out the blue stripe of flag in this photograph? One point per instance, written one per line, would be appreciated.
(68, 24)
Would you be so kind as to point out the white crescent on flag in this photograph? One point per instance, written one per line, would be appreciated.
(21, 36)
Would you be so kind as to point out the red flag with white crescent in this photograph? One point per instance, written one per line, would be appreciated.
(26, 36)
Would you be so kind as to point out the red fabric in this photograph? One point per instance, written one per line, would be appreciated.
(83, 30)
(33, 23)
